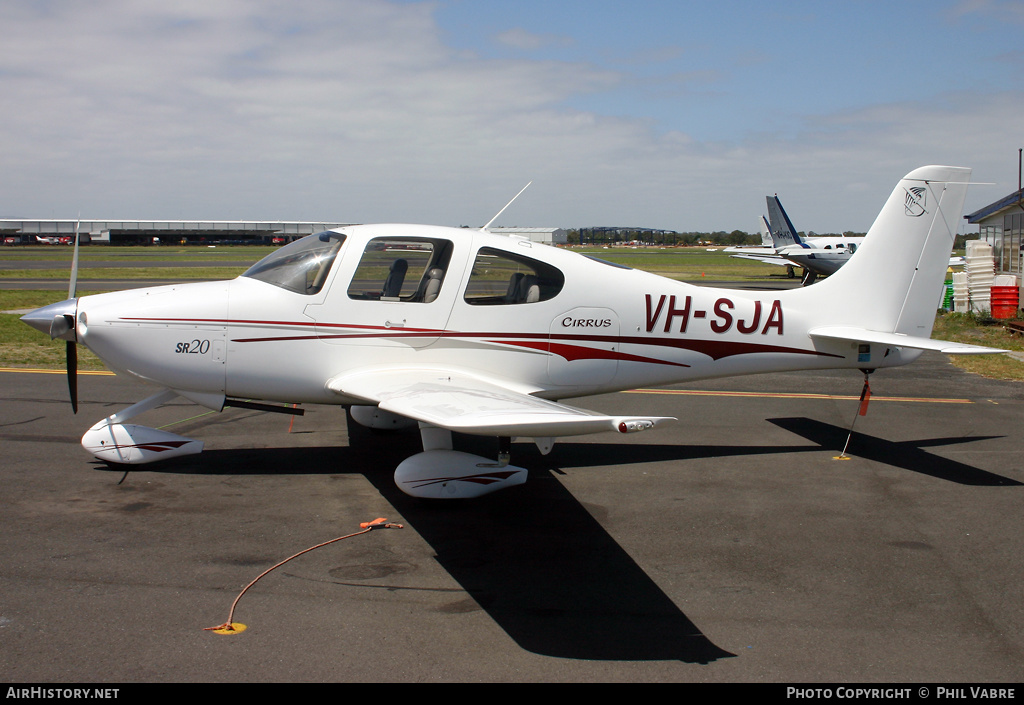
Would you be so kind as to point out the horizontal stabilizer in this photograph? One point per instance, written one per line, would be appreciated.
(862, 335)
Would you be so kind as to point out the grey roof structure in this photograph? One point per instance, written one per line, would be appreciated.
(129, 230)
(1013, 199)
(548, 236)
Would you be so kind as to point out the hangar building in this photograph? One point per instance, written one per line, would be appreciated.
(1001, 224)
(547, 236)
(137, 232)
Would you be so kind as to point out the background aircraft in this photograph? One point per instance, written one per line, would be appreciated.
(816, 256)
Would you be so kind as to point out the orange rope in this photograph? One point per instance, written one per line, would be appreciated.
(367, 526)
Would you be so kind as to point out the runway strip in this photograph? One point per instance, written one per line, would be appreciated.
(33, 371)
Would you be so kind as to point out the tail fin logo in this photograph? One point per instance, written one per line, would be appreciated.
(915, 201)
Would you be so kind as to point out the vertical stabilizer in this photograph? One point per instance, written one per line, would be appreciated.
(783, 232)
(893, 283)
(766, 233)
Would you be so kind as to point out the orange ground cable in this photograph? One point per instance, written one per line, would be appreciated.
(230, 627)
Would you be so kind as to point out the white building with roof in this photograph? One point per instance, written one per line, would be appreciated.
(1001, 224)
(546, 236)
(129, 232)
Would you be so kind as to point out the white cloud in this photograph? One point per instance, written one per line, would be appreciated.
(1000, 10)
(359, 111)
(519, 38)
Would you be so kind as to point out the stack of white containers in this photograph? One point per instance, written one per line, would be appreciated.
(981, 271)
(961, 294)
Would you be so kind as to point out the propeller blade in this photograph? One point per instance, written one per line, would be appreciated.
(73, 284)
(71, 347)
(59, 320)
(71, 350)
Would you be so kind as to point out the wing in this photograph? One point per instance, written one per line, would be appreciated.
(468, 404)
(861, 335)
(765, 258)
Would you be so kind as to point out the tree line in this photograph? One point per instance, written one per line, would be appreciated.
(650, 236)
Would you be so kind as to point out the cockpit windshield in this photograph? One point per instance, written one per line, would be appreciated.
(301, 266)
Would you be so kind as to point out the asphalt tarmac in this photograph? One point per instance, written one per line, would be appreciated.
(730, 547)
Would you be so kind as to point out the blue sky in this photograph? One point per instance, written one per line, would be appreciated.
(656, 114)
(718, 70)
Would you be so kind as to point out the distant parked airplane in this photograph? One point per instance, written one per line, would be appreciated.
(816, 256)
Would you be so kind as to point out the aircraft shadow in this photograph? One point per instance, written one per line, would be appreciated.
(531, 556)
(909, 455)
(584, 455)
(551, 577)
(547, 572)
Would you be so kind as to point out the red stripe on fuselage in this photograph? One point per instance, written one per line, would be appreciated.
(579, 352)
(715, 349)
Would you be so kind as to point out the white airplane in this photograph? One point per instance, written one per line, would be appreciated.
(462, 330)
(816, 256)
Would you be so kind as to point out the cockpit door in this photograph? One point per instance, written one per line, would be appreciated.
(398, 292)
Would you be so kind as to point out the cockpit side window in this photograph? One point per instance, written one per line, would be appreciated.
(502, 278)
(401, 269)
(301, 266)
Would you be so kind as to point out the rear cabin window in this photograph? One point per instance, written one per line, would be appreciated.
(401, 269)
(501, 278)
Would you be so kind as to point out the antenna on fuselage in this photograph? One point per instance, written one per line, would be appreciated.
(506, 206)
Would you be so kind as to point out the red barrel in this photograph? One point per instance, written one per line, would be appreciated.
(1004, 301)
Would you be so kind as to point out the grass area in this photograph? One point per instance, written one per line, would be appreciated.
(22, 346)
(92, 261)
(686, 263)
(25, 347)
(680, 263)
(88, 273)
(100, 253)
(970, 329)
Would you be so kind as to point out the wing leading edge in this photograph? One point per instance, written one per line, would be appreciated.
(467, 404)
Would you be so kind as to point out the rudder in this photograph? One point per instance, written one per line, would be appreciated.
(892, 284)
